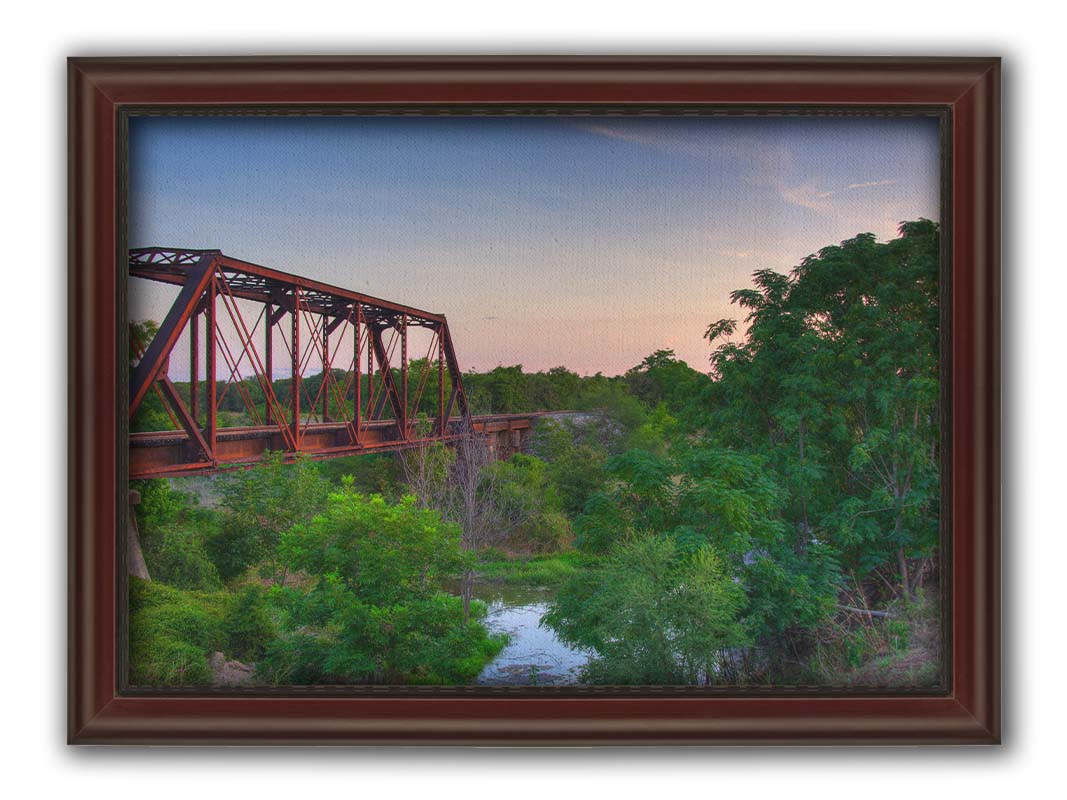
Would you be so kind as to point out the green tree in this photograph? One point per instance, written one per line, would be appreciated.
(528, 505)
(174, 532)
(176, 554)
(502, 390)
(575, 465)
(836, 385)
(703, 495)
(260, 504)
(662, 378)
(652, 614)
(152, 415)
(376, 610)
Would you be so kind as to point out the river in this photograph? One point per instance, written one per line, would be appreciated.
(534, 655)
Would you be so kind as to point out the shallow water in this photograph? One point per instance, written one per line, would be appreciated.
(534, 656)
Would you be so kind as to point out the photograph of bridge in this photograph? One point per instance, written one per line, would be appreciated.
(673, 420)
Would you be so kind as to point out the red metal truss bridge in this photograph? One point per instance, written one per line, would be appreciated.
(235, 317)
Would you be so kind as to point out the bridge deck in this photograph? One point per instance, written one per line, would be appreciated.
(172, 453)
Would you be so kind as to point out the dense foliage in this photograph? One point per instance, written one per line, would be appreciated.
(810, 466)
(836, 386)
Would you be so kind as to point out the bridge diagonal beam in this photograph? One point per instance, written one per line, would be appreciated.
(423, 379)
(321, 348)
(158, 352)
(458, 393)
(174, 398)
(385, 370)
(377, 398)
(260, 370)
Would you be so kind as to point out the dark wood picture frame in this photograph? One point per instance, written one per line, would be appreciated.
(102, 90)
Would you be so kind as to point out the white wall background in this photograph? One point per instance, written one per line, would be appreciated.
(38, 38)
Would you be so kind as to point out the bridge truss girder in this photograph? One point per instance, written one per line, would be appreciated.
(312, 320)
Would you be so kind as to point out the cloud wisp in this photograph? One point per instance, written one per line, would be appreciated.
(869, 184)
(756, 153)
(767, 164)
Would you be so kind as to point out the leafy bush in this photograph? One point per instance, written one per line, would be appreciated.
(177, 555)
(248, 624)
(575, 467)
(235, 547)
(652, 614)
(376, 612)
(371, 473)
(549, 532)
(656, 433)
(640, 495)
(603, 523)
(160, 503)
(528, 505)
(174, 632)
(174, 533)
(261, 503)
(421, 642)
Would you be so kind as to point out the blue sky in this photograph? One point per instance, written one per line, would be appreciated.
(583, 241)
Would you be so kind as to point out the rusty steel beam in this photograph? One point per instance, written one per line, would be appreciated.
(403, 418)
(172, 265)
(211, 379)
(295, 368)
(458, 392)
(268, 353)
(389, 391)
(186, 419)
(158, 352)
(441, 418)
(194, 365)
(357, 365)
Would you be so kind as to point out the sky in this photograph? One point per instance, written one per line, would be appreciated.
(587, 242)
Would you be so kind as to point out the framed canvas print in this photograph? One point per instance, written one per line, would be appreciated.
(534, 401)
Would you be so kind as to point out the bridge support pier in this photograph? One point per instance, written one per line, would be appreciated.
(506, 442)
(135, 563)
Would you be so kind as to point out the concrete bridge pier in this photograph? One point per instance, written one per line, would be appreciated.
(507, 436)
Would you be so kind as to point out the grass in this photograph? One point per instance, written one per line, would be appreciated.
(173, 632)
(903, 652)
(545, 570)
(913, 664)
